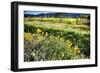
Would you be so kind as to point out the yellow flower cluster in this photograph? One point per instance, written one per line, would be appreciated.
(46, 34)
(69, 43)
(39, 30)
(61, 39)
(28, 36)
(43, 33)
(77, 50)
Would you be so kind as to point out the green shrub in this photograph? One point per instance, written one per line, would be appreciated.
(51, 47)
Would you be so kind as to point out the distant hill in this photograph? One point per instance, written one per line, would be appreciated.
(73, 15)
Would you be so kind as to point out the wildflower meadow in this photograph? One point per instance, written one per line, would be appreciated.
(56, 36)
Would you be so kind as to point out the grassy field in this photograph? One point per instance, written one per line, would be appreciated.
(56, 39)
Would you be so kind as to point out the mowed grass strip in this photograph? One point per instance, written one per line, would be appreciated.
(79, 29)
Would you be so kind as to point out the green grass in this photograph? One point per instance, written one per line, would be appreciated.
(46, 40)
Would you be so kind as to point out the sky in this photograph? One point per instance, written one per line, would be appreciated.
(34, 12)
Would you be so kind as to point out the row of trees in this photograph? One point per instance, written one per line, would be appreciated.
(82, 19)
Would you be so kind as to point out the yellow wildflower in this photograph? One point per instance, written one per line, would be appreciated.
(61, 38)
(77, 50)
(46, 34)
(39, 30)
(42, 33)
(28, 36)
(69, 43)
